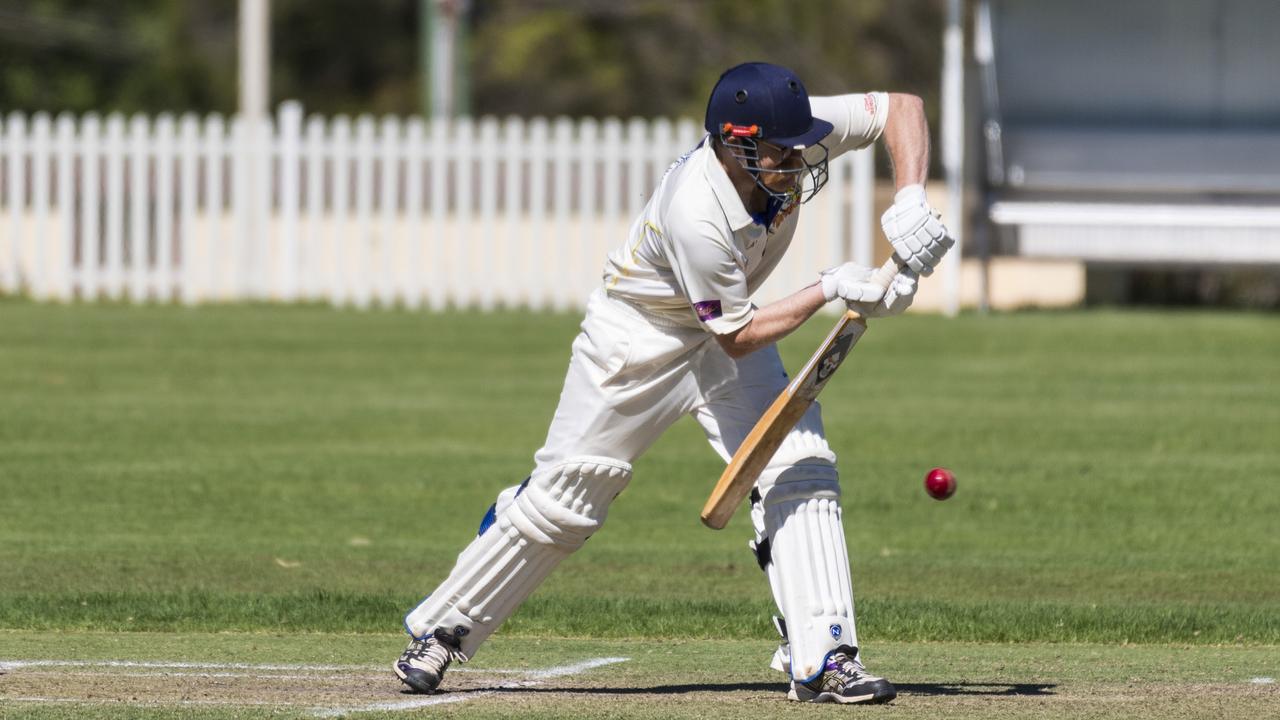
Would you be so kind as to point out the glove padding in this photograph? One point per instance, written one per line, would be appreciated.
(850, 282)
(915, 230)
(901, 292)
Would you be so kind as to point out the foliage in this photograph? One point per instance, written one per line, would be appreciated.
(547, 57)
(130, 55)
(651, 58)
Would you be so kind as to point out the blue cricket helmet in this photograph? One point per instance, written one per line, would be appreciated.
(767, 102)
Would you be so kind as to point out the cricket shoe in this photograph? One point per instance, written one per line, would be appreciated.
(423, 663)
(843, 680)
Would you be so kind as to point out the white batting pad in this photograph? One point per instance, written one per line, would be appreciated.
(799, 518)
(549, 519)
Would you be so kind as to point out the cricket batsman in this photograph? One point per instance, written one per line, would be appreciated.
(672, 331)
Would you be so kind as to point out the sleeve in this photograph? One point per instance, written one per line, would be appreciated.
(707, 270)
(858, 119)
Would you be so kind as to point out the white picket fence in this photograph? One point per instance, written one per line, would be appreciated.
(468, 213)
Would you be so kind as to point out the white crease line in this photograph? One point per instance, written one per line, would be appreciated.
(1263, 681)
(397, 704)
(7, 665)
(574, 669)
(184, 674)
(536, 677)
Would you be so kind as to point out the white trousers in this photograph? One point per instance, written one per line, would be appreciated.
(631, 376)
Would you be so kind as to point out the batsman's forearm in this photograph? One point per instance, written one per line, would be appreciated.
(906, 136)
(773, 322)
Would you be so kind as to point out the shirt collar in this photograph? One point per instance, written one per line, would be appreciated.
(734, 211)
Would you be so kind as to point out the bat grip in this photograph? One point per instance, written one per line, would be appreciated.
(883, 275)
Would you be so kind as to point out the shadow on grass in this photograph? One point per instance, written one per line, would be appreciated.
(1005, 689)
(1023, 689)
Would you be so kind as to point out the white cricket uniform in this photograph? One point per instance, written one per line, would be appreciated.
(646, 356)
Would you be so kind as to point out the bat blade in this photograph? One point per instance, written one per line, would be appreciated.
(771, 429)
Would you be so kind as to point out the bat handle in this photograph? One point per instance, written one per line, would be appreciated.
(883, 275)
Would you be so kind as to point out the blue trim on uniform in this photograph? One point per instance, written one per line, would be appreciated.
(822, 667)
(491, 515)
(489, 518)
(770, 212)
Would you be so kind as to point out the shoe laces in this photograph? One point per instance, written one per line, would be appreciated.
(847, 668)
(430, 649)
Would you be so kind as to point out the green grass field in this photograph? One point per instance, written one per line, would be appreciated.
(173, 479)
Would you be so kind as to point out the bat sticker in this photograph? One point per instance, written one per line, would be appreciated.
(833, 358)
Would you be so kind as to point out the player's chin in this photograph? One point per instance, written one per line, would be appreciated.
(780, 182)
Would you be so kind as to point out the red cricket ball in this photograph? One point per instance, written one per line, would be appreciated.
(940, 483)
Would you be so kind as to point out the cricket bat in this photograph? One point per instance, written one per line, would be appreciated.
(762, 442)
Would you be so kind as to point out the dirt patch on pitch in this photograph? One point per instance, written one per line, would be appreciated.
(340, 690)
(985, 701)
(283, 689)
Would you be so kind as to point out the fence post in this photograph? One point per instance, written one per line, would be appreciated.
(164, 207)
(311, 251)
(261, 154)
(289, 130)
(539, 279)
(606, 230)
(514, 274)
(241, 225)
(388, 272)
(563, 248)
(340, 233)
(7, 271)
(16, 149)
(464, 271)
(90, 183)
(612, 185)
(489, 265)
(113, 272)
(588, 207)
(41, 132)
(188, 157)
(66, 152)
(438, 208)
(364, 210)
(411, 290)
(139, 207)
(218, 244)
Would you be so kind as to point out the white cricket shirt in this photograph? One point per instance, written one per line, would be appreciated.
(695, 255)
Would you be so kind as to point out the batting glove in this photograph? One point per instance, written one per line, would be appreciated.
(915, 230)
(901, 292)
(850, 282)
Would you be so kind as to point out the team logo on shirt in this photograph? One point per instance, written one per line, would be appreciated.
(786, 210)
(708, 309)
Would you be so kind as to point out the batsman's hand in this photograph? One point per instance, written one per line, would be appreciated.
(899, 296)
(850, 282)
(915, 230)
